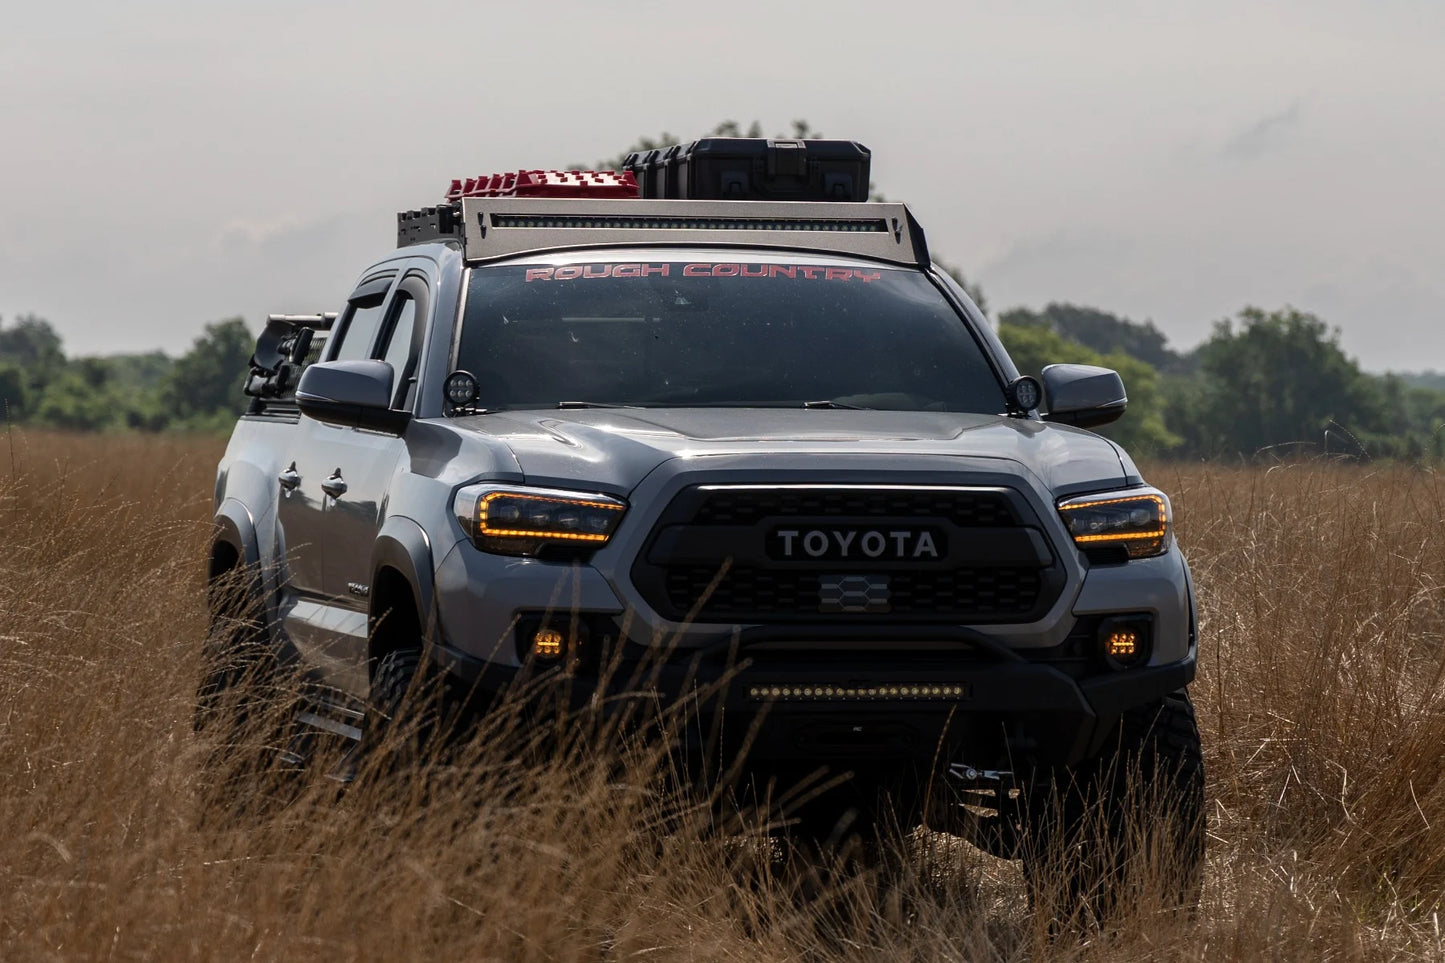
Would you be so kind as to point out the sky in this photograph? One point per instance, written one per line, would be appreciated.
(167, 164)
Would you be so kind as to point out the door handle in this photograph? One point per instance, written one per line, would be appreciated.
(289, 479)
(335, 486)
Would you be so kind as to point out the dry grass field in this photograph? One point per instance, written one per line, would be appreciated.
(1320, 698)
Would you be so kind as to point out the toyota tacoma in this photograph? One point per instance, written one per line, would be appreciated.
(720, 414)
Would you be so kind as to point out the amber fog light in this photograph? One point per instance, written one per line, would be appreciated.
(549, 642)
(1126, 641)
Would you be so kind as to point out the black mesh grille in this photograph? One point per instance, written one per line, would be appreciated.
(748, 506)
(736, 588)
(743, 594)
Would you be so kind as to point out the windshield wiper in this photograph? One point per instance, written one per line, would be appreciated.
(834, 404)
(590, 404)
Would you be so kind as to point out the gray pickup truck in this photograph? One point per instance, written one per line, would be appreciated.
(766, 441)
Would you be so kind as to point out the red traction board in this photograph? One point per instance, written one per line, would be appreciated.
(576, 184)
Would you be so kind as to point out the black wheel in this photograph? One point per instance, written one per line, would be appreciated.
(1126, 829)
(245, 704)
(414, 716)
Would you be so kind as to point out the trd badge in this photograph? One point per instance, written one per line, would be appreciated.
(853, 593)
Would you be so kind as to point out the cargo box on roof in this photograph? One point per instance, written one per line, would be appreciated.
(754, 169)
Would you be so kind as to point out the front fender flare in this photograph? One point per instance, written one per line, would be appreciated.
(403, 545)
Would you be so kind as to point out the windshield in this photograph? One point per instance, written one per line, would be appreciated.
(720, 330)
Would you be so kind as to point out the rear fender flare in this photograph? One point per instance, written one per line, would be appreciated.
(234, 526)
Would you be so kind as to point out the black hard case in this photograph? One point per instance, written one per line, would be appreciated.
(754, 169)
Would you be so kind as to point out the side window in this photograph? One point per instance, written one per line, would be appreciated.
(398, 350)
(400, 344)
(398, 341)
(359, 332)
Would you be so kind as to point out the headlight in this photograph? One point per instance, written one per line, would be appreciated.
(537, 521)
(1137, 521)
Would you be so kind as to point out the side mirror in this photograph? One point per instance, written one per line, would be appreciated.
(1083, 395)
(356, 393)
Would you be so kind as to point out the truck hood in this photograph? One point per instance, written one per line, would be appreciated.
(612, 450)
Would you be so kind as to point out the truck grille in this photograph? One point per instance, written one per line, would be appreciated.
(744, 506)
(713, 556)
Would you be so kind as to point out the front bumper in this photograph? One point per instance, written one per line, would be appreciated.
(782, 705)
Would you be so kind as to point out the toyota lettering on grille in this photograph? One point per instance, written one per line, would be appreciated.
(848, 544)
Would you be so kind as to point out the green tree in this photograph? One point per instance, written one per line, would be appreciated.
(1423, 379)
(204, 386)
(14, 391)
(80, 397)
(31, 346)
(1142, 429)
(1414, 415)
(1101, 331)
(32, 343)
(1281, 379)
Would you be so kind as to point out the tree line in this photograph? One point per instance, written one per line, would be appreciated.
(199, 391)
(1264, 384)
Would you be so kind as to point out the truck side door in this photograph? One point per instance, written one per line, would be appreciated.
(321, 626)
(369, 468)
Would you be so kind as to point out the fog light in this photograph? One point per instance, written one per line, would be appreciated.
(1122, 644)
(1125, 641)
(548, 643)
(549, 640)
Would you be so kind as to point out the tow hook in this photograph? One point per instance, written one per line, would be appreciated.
(985, 809)
(965, 773)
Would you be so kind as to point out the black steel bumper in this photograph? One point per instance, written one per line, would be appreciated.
(784, 706)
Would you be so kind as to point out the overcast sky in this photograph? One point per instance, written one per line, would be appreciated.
(166, 164)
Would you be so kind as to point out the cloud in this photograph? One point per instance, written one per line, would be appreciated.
(1264, 134)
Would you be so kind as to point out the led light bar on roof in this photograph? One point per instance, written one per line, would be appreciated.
(622, 222)
(566, 184)
(497, 227)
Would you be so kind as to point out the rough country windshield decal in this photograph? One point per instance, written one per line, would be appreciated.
(736, 330)
(702, 269)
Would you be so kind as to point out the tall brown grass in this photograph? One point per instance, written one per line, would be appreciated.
(1320, 699)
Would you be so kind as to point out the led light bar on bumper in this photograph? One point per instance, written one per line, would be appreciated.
(857, 693)
(538, 522)
(1134, 523)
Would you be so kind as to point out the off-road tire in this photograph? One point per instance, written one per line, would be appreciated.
(414, 716)
(1128, 821)
(244, 711)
